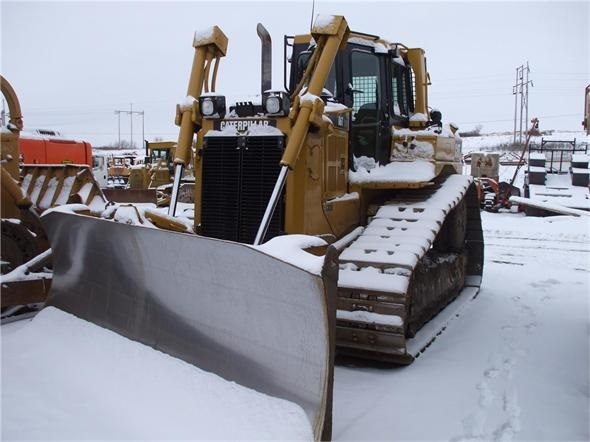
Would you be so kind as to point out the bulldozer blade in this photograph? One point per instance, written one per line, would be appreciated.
(227, 308)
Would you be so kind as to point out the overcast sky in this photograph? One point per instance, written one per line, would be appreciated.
(73, 64)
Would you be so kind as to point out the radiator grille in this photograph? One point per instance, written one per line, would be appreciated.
(239, 174)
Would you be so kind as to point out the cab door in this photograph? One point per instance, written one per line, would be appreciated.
(370, 126)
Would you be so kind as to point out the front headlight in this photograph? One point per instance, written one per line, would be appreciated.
(276, 103)
(207, 107)
(212, 106)
(273, 105)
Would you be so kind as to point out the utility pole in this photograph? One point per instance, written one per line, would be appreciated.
(131, 120)
(131, 112)
(521, 87)
(118, 112)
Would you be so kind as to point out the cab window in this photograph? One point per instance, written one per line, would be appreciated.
(365, 86)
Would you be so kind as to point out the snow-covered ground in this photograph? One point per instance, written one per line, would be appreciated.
(493, 142)
(513, 366)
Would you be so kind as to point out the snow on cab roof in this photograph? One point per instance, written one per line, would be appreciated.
(379, 46)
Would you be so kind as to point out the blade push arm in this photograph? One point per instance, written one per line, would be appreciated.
(209, 48)
(330, 36)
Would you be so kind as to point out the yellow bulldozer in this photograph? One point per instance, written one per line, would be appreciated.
(330, 217)
(156, 174)
(132, 181)
(26, 191)
(157, 168)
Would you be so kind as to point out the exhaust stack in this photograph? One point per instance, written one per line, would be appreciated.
(266, 58)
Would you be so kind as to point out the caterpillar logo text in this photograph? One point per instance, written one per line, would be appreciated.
(244, 125)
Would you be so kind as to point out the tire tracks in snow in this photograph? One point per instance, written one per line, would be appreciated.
(531, 243)
(518, 253)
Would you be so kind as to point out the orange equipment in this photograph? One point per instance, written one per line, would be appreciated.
(44, 147)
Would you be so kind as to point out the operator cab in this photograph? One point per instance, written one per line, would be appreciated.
(374, 81)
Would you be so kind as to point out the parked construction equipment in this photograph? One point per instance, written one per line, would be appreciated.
(26, 191)
(157, 168)
(346, 176)
(49, 147)
(155, 175)
(119, 170)
(494, 194)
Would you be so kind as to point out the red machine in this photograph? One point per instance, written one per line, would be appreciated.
(494, 195)
(48, 147)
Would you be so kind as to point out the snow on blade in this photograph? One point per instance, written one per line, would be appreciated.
(291, 249)
(68, 183)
